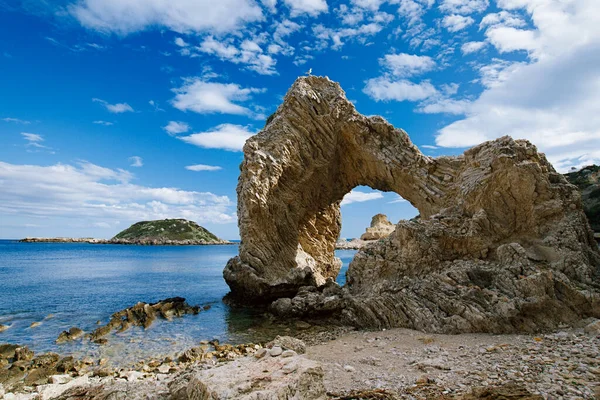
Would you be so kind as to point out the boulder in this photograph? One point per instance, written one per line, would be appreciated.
(268, 378)
(502, 243)
(380, 228)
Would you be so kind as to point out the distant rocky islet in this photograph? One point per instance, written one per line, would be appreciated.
(173, 232)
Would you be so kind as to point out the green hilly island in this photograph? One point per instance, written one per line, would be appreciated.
(166, 229)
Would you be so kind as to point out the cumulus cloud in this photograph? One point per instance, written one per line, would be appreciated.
(100, 195)
(455, 22)
(386, 89)
(553, 98)
(206, 97)
(203, 167)
(226, 137)
(337, 36)
(472, 47)
(118, 108)
(136, 161)
(176, 127)
(356, 196)
(310, 7)
(184, 16)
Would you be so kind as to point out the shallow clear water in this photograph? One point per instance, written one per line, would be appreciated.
(80, 284)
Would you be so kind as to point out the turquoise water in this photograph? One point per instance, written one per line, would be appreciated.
(79, 284)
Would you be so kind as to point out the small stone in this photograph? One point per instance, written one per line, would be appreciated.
(261, 353)
(349, 368)
(289, 353)
(289, 368)
(164, 369)
(593, 328)
(302, 325)
(423, 380)
(275, 351)
(35, 324)
(3, 327)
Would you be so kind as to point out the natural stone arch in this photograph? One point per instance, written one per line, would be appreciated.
(314, 150)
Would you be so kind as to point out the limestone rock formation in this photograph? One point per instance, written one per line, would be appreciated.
(502, 244)
(380, 227)
(587, 180)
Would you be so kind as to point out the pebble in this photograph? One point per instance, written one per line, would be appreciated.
(289, 353)
(289, 368)
(260, 353)
(60, 379)
(35, 324)
(276, 351)
(349, 368)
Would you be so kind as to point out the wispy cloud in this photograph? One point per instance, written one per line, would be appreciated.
(16, 121)
(114, 108)
(203, 167)
(105, 123)
(136, 161)
(356, 196)
(35, 141)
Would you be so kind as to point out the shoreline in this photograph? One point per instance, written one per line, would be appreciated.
(394, 364)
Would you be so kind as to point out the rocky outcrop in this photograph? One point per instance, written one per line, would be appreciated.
(587, 180)
(380, 228)
(502, 243)
(144, 314)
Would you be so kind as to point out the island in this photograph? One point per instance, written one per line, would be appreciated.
(174, 232)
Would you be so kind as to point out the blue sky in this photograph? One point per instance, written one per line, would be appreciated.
(115, 111)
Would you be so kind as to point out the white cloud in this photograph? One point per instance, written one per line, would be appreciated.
(16, 121)
(226, 136)
(455, 22)
(176, 127)
(385, 89)
(206, 97)
(445, 106)
(184, 16)
(180, 42)
(472, 47)
(136, 161)
(508, 39)
(355, 196)
(271, 5)
(361, 34)
(310, 7)
(503, 18)
(429, 147)
(32, 137)
(203, 167)
(100, 195)
(104, 123)
(118, 108)
(553, 99)
(464, 6)
(248, 53)
(406, 65)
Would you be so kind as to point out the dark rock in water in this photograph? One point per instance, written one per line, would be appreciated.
(144, 314)
(70, 335)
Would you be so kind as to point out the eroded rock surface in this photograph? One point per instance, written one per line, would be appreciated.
(380, 228)
(502, 243)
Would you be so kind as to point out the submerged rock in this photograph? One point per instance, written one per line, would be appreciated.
(3, 327)
(144, 314)
(73, 333)
(502, 243)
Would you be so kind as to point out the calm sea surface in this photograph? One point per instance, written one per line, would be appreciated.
(65, 285)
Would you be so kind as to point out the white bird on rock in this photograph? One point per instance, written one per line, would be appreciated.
(309, 72)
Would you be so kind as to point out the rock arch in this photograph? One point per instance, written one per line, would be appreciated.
(315, 149)
(502, 244)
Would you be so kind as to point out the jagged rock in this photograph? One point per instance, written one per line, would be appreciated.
(501, 245)
(380, 228)
(587, 180)
(354, 244)
(73, 333)
(143, 314)
(288, 343)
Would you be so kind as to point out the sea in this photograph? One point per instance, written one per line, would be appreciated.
(64, 285)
